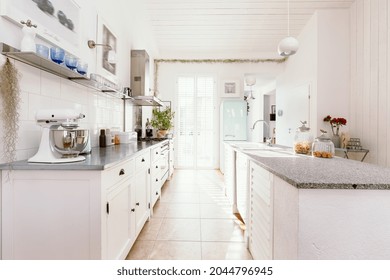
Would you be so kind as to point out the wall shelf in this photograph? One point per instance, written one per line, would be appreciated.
(49, 66)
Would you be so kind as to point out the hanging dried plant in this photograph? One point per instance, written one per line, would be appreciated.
(10, 98)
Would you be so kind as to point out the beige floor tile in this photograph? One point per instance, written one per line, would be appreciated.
(180, 210)
(182, 188)
(150, 229)
(176, 250)
(140, 250)
(180, 230)
(225, 251)
(221, 230)
(180, 198)
(192, 220)
(159, 209)
(216, 197)
(216, 211)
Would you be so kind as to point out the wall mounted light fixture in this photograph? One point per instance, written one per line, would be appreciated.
(250, 81)
(111, 56)
(289, 45)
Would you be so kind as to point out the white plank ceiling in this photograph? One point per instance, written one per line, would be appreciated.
(228, 28)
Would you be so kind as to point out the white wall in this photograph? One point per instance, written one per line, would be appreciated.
(300, 69)
(322, 63)
(370, 78)
(168, 73)
(40, 90)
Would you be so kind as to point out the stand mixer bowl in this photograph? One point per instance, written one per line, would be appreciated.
(69, 142)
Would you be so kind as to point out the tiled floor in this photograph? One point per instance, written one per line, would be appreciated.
(193, 220)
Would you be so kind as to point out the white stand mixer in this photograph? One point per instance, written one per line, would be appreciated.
(52, 120)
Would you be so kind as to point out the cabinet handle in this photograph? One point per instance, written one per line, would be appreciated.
(137, 204)
(156, 166)
(122, 172)
(156, 193)
(108, 208)
(142, 160)
(133, 210)
(156, 180)
(156, 153)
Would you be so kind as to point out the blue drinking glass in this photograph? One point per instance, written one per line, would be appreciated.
(57, 55)
(82, 67)
(71, 62)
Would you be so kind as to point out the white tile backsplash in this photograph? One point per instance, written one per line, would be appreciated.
(30, 78)
(42, 90)
(50, 85)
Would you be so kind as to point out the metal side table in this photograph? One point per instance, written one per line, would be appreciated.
(346, 151)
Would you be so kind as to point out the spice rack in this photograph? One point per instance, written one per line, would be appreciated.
(49, 66)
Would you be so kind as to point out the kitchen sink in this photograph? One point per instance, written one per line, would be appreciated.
(278, 152)
(254, 146)
(250, 145)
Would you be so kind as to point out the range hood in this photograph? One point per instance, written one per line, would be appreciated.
(140, 90)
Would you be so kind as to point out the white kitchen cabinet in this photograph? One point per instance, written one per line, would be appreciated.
(261, 213)
(171, 157)
(118, 220)
(230, 175)
(159, 171)
(142, 190)
(53, 215)
(242, 186)
(155, 179)
(68, 214)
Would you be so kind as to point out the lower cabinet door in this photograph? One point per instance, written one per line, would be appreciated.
(142, 198)
(118, 219)
(261, 213)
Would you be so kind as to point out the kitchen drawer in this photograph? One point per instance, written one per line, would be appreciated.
(117, 173)
(155, 168)
(156, 153)
(142, 161)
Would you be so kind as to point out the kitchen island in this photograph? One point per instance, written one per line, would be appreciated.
(92, 209)
(302, 207)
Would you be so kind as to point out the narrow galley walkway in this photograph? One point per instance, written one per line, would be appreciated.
(193, 220)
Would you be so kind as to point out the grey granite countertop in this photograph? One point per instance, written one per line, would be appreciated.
(98, 159)
(307, 172)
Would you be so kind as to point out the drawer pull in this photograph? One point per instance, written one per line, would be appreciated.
(156, 180)
(156, 166)
(156, 153)
(142, 160)
(137, 204)
(133, 210)
(156, 193)
(122, 172)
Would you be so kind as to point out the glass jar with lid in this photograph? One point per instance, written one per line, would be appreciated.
(323, 147)
(303, 139)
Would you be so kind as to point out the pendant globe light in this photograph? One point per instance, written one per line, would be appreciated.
(289, 45)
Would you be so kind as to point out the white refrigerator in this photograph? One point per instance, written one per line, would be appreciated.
(233, 124)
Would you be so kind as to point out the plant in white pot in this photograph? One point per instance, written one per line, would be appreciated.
(162, 120)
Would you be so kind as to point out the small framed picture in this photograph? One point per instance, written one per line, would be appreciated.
(230, 88)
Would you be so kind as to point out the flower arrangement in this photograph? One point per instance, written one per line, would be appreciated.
(335, 123)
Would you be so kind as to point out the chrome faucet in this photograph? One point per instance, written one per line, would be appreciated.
(267, 139)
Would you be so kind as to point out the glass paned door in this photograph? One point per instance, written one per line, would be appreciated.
(195, 122)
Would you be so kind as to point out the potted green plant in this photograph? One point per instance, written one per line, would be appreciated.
(162, 120)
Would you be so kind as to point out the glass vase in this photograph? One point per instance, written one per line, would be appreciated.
(336, 141)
